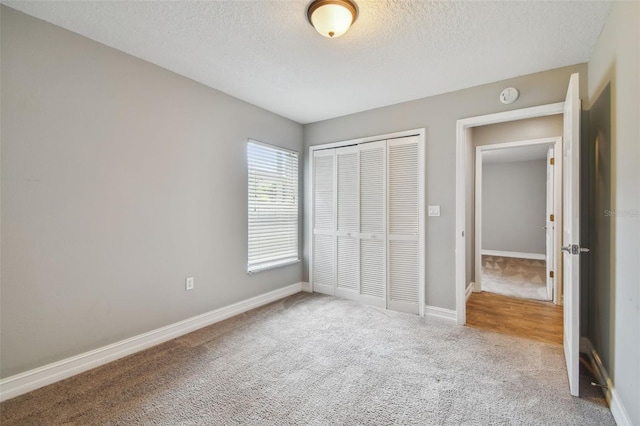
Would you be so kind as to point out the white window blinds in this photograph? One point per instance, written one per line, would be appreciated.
(273, 206)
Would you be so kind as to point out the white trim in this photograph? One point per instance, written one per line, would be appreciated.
(395, 135)
(464, 149)
(267, 266)
(306, 287)
(514, 254)
(620, 414)
(477, 220)
(273, 146)
(434, 311)
(422, 228)
(558, 219)
(19, 384)
(469, 290)
(513, 115)
(556, 142)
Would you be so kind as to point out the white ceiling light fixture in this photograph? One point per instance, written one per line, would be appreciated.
(332, 18)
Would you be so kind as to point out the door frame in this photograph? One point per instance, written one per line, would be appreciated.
(550, 210)
(464, 150)
(421, 134)
(556, 143)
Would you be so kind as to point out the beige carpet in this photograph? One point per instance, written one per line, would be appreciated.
(318, 360)
(524, 278)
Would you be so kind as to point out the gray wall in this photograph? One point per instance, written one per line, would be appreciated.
(119, 179)
(438, 114)
(616, 62)
(519, 130)
(514, 206)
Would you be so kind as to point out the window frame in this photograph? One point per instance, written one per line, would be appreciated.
(291, 187)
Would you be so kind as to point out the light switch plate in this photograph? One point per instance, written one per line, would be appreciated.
(434, 210)
(189, 283)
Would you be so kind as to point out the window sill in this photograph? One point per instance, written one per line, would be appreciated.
(271, 265)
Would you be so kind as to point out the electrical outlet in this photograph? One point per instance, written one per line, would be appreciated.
(434, 210)
(189, 283)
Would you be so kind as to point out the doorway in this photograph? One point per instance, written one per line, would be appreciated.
(517, 193)
(465, 233)
(571, 249)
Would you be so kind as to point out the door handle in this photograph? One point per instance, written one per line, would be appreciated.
(575, 249)
(544, 227)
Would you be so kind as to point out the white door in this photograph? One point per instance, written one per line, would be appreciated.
(550, 224)
(323, 267)
(571, 231)
(373, 257)
(348, 227)
(403, 225)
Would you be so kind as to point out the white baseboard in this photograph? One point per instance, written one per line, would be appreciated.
(618, 411)
(620, 414)
(515, 254)
(19, 384)
(434, 311)
(469, 290)
(306, 287)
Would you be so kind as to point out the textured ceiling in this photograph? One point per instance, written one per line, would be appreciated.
(266, 53)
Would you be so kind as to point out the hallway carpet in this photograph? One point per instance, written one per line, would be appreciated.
(311, 359)
(524, 278)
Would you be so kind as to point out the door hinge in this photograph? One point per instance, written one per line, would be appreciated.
(552, 161)
(551, 218)
(550, 274)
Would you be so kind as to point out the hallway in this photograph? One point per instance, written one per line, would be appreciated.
(531, 319)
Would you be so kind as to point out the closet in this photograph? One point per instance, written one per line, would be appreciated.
(368, 221)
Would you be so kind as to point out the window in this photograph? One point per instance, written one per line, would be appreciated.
(273, 206)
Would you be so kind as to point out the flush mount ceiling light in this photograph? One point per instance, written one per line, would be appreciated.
(332, 18)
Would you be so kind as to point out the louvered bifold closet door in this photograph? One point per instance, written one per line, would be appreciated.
(373, 277)
(347, 235)
(403, 225)
(324, 189)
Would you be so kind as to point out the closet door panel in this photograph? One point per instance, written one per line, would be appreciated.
(372, 188)
(373, 275)
(373, 278)
(403, 222)
(323, 264)
(348, 268)
(348, 206)
(403, 276)
(403, 187)
(323, 268)
(323, 200)
(347, 277)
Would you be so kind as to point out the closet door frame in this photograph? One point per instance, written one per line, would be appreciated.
(420, 133)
